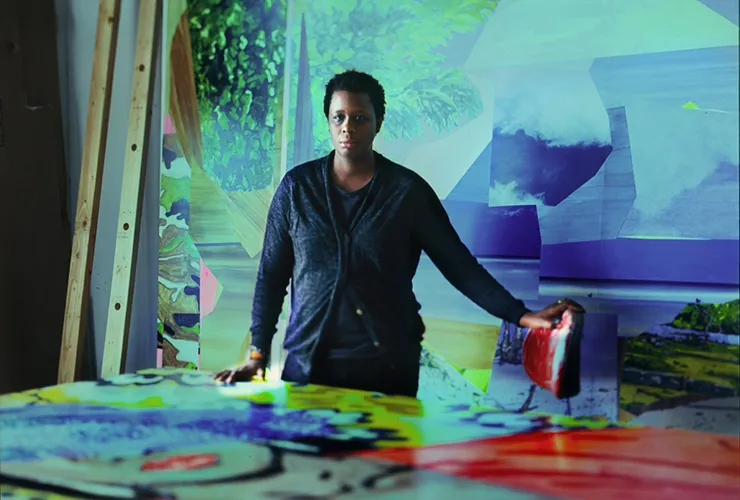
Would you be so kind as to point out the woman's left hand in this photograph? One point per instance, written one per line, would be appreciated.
(546, 317)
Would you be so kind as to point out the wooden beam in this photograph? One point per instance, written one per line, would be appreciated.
(88, 202)
(134, 173)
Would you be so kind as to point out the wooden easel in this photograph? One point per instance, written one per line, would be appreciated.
(88, 204)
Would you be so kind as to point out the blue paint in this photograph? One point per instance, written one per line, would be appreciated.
(541, 170)
(496, 232)
(180, 208)
(715, 262)
(474, 185)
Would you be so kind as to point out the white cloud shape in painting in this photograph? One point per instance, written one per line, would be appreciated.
(556, 103)
(674, 150)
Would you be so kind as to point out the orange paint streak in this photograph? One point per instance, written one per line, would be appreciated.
(606, 464)
(182, 462)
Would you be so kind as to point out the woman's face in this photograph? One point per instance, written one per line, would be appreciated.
(352, 124)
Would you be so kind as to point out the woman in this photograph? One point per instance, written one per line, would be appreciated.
(347, 231)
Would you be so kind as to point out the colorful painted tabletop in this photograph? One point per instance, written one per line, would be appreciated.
(175, 434)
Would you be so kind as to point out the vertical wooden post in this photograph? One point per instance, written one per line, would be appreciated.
(134, 172)
(88, 202)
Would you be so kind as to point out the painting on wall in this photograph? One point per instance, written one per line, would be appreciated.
(176, 434)
(535, 152)
(678, 371)
(638, 146)
(537, 136)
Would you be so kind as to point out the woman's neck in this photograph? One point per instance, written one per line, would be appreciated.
(355, 174)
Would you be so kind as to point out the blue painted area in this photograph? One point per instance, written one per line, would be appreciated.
(187, 320)
(439, 299)
(474, 184)
(85, 432)
(685, 165)
(668, 261)
(535, 168)
(496, 231)
(193, 291)
(707, 77)
(168, 156)
(685, 161)
(181, 208)
(729, 9)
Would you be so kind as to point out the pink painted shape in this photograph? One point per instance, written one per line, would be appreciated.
(208, 290)
(159, 358)
(169, 127)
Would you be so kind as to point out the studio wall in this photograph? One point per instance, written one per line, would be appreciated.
(581, 148)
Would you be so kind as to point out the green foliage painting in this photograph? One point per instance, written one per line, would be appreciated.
(710, 318)
(402, 43)
(238, 57)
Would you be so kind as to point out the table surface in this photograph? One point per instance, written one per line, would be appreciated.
(169, 433)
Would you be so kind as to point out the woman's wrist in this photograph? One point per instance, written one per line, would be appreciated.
(256, 354)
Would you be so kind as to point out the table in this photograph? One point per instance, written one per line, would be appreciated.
(175, 434)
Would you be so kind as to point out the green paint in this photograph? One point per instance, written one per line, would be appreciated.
(584, 423)
(238, 53)
(174, 189)
(710, 318)
(479, 378)
(399, 43)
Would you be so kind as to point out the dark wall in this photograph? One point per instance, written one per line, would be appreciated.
(35, 235)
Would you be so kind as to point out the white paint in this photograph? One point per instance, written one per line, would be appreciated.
(558, 103)
(187, 350)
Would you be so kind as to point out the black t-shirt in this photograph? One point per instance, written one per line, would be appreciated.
(346, 336)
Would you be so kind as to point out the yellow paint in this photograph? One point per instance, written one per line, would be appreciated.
(383, 412)
(463, 345)
(625, 416)
(645, 395)
(20, 493)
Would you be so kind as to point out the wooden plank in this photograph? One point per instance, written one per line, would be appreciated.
(134, 173)
(88, 203)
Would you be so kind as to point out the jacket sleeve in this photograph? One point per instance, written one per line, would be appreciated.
(275, 270)
(439, 239)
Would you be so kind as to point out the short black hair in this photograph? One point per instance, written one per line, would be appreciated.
(359, 83)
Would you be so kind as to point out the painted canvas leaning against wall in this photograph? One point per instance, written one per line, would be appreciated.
(597, 160)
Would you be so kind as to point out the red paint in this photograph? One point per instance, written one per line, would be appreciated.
(181, 462)
(613, 464)
(539, 354)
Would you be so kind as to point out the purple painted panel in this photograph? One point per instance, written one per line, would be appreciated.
(667, 261)
(492, 232)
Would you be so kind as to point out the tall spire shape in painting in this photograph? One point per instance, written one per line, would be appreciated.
(303, 149)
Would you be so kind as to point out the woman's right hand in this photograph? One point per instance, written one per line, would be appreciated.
(243, 373)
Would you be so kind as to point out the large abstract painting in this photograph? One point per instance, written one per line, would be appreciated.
(175, 434)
